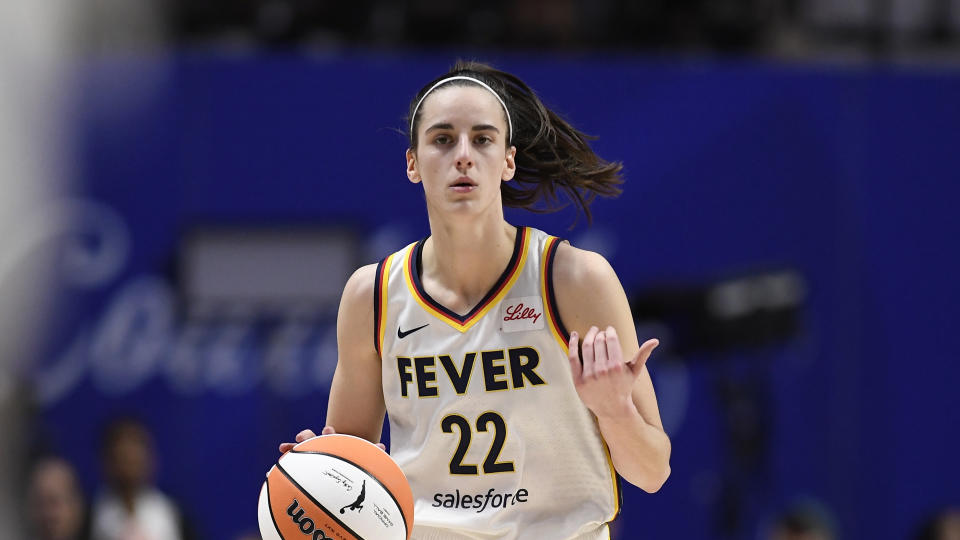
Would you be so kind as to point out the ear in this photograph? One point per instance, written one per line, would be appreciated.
(509, 164)
(412, 172)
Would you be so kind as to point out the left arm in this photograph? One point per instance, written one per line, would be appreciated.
(612, 380)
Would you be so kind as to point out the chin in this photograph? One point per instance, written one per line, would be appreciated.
(464, 208)
(468, 206)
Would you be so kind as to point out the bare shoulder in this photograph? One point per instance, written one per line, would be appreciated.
(359, 288)
(589, 293)
(578, 269)
(355, 319)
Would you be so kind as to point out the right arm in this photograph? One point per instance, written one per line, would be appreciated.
(356, 405)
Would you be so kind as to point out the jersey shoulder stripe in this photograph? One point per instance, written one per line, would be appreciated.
(380, 302)
(557, 328)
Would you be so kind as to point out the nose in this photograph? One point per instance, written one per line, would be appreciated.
(464, 158)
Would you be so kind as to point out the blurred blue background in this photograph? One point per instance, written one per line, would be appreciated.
(788, 228)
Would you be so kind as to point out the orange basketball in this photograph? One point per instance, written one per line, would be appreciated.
(336, 487)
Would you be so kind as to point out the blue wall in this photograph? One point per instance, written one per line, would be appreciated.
(847, 175)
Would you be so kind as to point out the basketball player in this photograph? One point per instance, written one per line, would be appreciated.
(506, 423)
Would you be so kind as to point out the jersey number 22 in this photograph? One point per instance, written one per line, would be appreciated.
(490, 464)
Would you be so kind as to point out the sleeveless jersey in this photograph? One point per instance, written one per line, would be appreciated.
(484, 418)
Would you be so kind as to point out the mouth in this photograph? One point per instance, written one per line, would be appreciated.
(463, 184)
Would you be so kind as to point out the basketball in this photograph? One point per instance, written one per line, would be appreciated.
(339, 487)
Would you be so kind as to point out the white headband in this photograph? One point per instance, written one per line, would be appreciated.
(465, 78)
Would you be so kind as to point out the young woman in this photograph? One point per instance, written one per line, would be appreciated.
(506, 423)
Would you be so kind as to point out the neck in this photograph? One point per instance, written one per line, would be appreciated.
(462, 261)
(128, 497)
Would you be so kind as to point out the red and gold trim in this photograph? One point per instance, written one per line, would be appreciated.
(496, 294)
(549, 298)
(617, 495)
(380, 303)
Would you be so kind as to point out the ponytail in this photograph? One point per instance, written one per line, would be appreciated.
(551, 155)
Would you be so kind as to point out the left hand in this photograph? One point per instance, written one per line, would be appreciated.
(604, 381)
(309, 434)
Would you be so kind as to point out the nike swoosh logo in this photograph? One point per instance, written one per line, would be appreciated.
(401, 334)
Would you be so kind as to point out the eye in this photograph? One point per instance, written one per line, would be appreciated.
(483, 139)
(442, 139)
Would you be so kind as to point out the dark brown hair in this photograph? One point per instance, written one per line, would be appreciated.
(551, 154)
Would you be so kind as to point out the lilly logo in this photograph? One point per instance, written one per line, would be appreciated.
(522, 314)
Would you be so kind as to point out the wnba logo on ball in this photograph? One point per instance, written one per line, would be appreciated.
(306, 524)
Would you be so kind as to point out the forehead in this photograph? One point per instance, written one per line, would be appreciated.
(471, 103)
(53, 473)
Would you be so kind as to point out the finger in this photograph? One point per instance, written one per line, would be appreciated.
(636, 365)
(286, 447)
(588, 367)
(327, 430)
(574, 356)
(600, 364)
(304, 435)
(382, 446)
(614, 352)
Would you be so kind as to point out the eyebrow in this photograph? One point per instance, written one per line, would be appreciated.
(478, 127)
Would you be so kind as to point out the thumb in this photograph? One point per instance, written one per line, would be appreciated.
(636, 365)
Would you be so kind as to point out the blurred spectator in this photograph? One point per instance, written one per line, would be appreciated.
(787, 26)
(543, 22)
(805, 520)
(55, 505)
(131, 508)
(943, 526)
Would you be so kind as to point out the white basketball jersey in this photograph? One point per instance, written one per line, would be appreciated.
(484, 417)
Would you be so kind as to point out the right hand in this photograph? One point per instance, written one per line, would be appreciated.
(309, 434)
